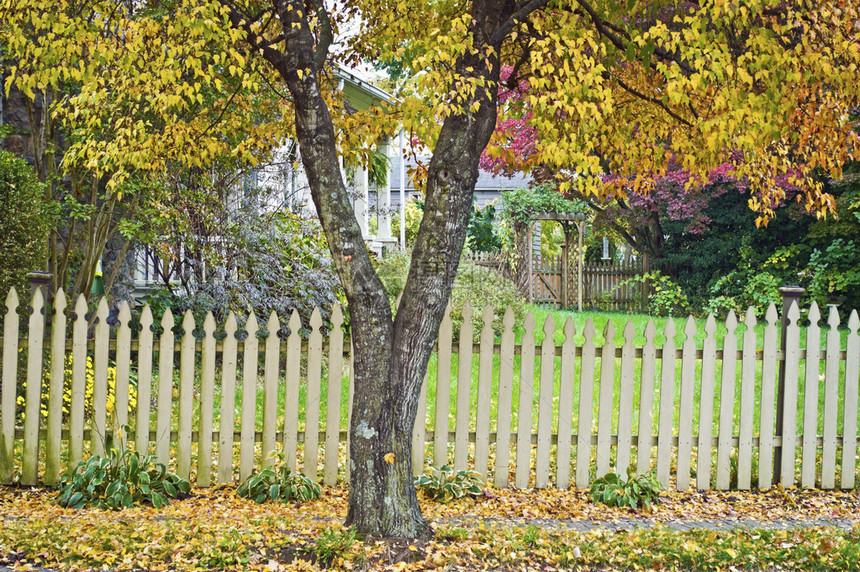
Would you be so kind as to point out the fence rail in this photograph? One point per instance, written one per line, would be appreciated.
(524, 410)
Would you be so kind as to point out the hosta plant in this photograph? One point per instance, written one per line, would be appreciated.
(120, 480)
(637, 491)
(444, 484)
(277, 483)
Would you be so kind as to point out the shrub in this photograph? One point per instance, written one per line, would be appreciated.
(444, 484)
(665, 297)
(120, 480)
(634, 492)
(24, 226)
(479, 285)
(278, 484)
(334, 543)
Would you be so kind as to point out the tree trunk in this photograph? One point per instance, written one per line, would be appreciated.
(390, 355)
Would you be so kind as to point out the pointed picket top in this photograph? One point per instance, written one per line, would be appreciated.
(793, 314)
(690, 328)
(853, 323)
(669, 331)
(833, 317)
(528, 322)
(81, 307)
(650, 331)
(188, 323)
(814, 314)
(60, 302)
(487, 316)
(771, 316)
(316, 319)
(711, 326)
(124, 314)
(209, 324)
(274, 324)
(467, 311)
(230, 326)
(295, 323)
(731, 322)
(146, 317)
(508, 320)
(750, 320)
(337, 316)
(167, 321)
(38, 300)
(588, 331)
(569, 329)
(12, 300)
(102, 312)
(251, 325)
(609, 332)
(629, 332)
(549, 326)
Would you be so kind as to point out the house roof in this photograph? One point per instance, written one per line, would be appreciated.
(361, 93)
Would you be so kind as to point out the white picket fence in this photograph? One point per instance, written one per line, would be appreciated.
(571, 415)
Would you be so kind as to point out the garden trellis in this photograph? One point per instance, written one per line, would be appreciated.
(530, 407)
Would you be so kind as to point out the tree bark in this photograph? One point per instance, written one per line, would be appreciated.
(390, 354)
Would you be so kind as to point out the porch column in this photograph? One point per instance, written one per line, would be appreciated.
(383, 197)
(402, 149)
(361, 200)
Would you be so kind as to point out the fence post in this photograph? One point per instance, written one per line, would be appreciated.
(790, 295)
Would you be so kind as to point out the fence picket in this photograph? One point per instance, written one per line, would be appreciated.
(186, 396)
(250, 367)
(747, 405)
(727, 403)
(312, 398)
(545, 393)
(291, 396)
(485, 386)
(810, 398)
(525, 398)
(625, 402)
(586, 403)
(99, 430)
(55, 391)
(505, 401)
(464, 390)
(831, 408)
(206, 404)
(270, 389)
(79, 372)
(646, 399)
(419, 431)
(333, 396)
(767, 413)
(849, 422)
(10, 375)
(789, 416)
(443, 391)
(144, 382)
(604, 404)
(165, 389)
(565, 406)
(685, 409)
(667, 404)
(706, 405)
(226, 422)
(123, 369)
(33, 394)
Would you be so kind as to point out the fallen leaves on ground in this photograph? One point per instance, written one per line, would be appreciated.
(216, 529)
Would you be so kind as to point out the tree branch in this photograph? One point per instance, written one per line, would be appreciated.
(518, 16)
(326, 36)
(659, 103)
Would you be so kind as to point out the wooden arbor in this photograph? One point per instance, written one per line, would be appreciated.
(526, 273)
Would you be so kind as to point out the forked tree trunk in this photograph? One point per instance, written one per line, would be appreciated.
(390, 355)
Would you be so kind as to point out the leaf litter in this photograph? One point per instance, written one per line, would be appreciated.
(216, 529)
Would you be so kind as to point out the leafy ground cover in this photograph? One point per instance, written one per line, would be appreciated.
(217, 529)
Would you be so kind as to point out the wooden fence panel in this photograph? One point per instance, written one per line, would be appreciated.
(186, 396)
(747, 406)
(227, 413)
(849, 423)
(586, 403)
(165, 389)
(144, 382)
(505, 401)
(685, 409)
(485, 385)
(206, 404)
(526, 396)
(99, 430)
(250, 366)
(789, 419)
(727, 403)
(33, 393)
(9, 381)
(646, 399)
(333, 396)
(831, 408)
(270, 388)
(291, 392)
(55, 390)
(464, 391)
(810, 398)
(706, 405)
(310, 458)
(565, 406)
(768, 402)
(545, 404)
(625, 402)
(667, 405)
(605, 396)
(79, 372)
(443, 391)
